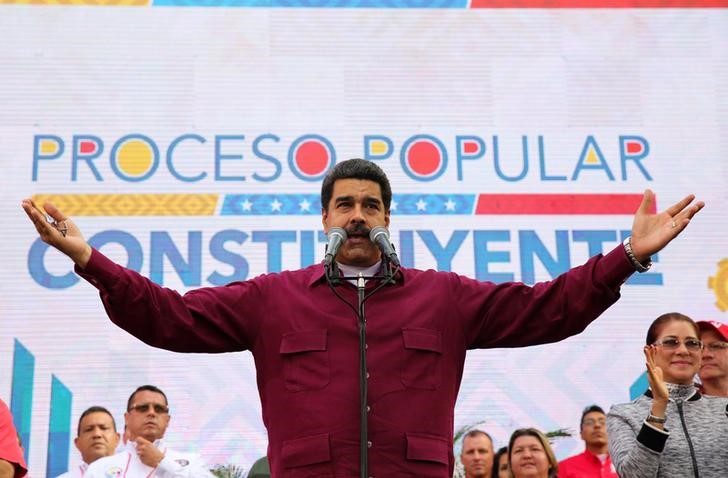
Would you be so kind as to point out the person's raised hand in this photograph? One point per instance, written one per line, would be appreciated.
(652, 232)
(59, 231)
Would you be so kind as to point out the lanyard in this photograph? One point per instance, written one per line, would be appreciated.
(128, 462)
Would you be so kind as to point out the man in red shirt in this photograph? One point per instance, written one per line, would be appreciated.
(303, 330)
(594, 462)
(12, 464)
(713, 371)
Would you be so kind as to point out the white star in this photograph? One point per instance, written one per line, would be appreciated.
(421, 205)
(276, 205)
(450, 205)
(393, 205)
(305, 205)
(247, 205)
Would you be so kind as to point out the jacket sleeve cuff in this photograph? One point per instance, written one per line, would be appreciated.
(615, 267)
(653, 438)
(100, 271)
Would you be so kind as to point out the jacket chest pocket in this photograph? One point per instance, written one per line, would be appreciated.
(421, 367)
(305, 358)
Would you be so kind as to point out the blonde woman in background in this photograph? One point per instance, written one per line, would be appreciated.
(530, 455)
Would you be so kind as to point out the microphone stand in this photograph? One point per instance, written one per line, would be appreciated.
(333, 277)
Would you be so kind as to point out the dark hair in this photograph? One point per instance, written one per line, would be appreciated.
(89, 411)
(148, 388)
(538, 434)
(591, 409)
(496, 459)
(356, 169)
(658, 323)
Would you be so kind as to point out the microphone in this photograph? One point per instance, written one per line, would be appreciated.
(337, 236)
(380, 236)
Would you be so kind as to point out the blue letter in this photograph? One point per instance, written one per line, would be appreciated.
(484, 257)
(219, 157)
(591, 158)
(162, 246)
(443, 255)
(218, 251)
(38, 155)
(496, 159)
(77, 155)
(637, 157)
(170, 152)
(461, 155)
(132, 247)
(594, 239)
(532, 246)
(40, 274)
(274, 241)
(542, 163)
(266, 157)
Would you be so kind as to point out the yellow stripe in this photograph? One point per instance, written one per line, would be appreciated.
(131, 204)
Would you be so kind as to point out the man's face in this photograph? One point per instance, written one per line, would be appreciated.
(594, 429)
(96, 436)
(148, 416)
(477, 456)
(715, 360)
(356, 205)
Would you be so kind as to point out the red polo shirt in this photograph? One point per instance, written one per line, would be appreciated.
(10, 450)
(587, 465)
(305, 344)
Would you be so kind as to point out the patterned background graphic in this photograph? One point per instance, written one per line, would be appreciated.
(189, 144)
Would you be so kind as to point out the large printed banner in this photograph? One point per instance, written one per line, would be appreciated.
(189, 144)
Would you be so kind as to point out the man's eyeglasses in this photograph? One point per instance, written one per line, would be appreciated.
(144, 408)
(671, 343)
(590, 422)
(716, 346)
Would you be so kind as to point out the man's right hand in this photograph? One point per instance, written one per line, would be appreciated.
(60, 233)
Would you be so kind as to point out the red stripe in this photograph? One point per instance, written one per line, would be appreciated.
(537, 204)
(599, 4)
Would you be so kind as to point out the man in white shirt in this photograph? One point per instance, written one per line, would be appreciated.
(96, 438)
(146, 455)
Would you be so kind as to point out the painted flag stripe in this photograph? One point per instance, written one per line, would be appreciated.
(552, 204)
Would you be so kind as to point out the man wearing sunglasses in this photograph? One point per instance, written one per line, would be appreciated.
(713, 371)
(146, 454)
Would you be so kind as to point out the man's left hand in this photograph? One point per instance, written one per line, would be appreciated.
(149, 454)
(652, 232)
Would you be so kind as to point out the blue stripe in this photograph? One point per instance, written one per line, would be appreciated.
(59, 428)
(21, 399)
(639, 387)
(310, 204)
(433, 204)
(271, 205)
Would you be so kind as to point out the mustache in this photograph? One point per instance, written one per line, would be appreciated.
(357, 230)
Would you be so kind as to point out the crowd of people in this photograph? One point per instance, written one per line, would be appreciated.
(678, 428)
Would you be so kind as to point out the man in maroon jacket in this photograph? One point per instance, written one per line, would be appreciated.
(305, 338)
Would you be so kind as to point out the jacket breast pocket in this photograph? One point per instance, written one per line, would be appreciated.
(421, 368)
(305, 358)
